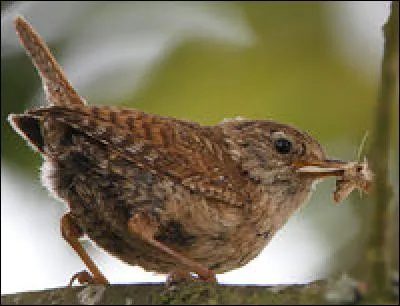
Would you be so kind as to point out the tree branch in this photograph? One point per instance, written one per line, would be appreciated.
(186, 293)
(388, 94)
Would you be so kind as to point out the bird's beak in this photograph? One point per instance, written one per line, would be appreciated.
(321, 169)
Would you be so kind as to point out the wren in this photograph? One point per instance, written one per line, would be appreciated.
(169, 195)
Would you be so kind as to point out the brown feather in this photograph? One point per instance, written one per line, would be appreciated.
(182, 151)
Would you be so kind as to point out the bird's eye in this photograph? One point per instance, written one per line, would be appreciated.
(283, 145)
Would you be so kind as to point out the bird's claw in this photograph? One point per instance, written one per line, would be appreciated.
(85, 278)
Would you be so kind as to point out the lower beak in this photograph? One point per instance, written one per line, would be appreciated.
(320, 169)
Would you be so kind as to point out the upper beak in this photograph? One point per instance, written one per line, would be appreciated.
(320, 169)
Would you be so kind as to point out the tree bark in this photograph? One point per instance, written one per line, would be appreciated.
(184, 293)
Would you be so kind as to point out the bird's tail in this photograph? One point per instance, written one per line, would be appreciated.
(57, 88)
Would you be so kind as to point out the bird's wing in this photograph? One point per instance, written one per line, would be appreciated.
(194, 156)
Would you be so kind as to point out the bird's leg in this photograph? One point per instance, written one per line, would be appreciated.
(140, 225)
(71, 232)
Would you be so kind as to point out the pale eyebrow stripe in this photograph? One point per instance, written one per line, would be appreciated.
(57, 88)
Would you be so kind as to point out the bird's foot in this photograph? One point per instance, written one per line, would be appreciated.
(85, 278)
(179, 276)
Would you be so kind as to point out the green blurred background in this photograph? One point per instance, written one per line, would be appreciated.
(308, 64)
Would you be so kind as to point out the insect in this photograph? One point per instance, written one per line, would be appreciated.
(356, 175)
(167, 194)
(352, 175)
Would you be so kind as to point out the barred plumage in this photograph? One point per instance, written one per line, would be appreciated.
(165, 193)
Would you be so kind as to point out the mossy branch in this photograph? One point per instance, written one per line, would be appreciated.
(186, 293)
(342, 290)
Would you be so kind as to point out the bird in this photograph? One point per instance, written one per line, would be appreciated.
(166, 194)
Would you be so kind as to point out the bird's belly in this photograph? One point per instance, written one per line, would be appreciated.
(103, 191)
(102, 202)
